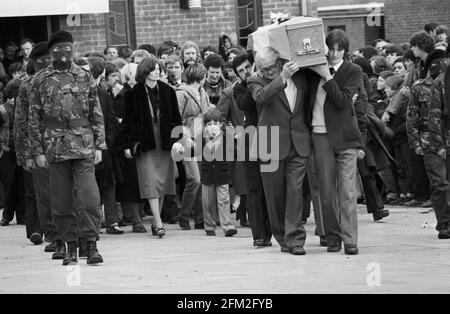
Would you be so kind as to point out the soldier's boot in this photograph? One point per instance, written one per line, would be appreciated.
(93, 257)
(83, 248)
(444, 233)
(72, 251)
(60, 250)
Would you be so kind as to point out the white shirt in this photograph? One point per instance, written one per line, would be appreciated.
(318, 120)
(291, 94)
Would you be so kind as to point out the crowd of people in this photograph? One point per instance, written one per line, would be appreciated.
(88, 141)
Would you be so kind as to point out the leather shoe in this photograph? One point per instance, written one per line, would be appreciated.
(184, 226)
(427, 204)
(351, 249)
(444, 233)
(139, 228)
(268, 243)
(244, 223)
(4, 223)
(334, 246)
(50, 248)
(413, 203)
(210, 233)
(297, 251)
(381, 214)
(323, 242)
(259, 243)
(284, 249)
(200, 226)
(36, 239)
(114, 230)
(230, 233)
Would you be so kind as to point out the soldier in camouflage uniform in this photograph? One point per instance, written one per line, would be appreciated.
(67, 135)
(420, 140)
(437, 159)
(36, 179)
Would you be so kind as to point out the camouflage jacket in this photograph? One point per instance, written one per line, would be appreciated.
(22, 142)
(438, 117)
(417, 115)
(65, 116)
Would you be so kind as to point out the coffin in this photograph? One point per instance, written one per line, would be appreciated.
(300, 39)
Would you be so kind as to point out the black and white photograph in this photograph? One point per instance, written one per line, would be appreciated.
(224, 153)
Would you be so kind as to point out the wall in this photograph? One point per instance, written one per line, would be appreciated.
(405, 17)
(160, 20)
(90, 36)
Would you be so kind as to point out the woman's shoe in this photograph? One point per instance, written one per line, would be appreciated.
(161, 232)
(114, 229)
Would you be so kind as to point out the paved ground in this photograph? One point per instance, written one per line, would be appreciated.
(404, 249)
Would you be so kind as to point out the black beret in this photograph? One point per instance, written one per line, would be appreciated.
(60, 37)
(40, 50)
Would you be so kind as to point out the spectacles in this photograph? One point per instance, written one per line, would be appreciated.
(66, 48)
(270, 69)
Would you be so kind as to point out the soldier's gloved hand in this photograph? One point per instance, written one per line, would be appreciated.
(98, 156)
(443, 154)
(41, 161)
(419, 151)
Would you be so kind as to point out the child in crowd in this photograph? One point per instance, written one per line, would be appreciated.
(215, 172)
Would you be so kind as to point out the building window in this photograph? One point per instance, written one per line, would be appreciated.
(249, 17)
(340, 27)
(118, 23)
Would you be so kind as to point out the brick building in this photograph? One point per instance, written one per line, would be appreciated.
(137, 22)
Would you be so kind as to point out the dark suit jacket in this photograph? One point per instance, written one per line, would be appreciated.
(274, 110)
(340, 116)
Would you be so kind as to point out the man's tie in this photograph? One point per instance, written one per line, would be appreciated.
(332, 71)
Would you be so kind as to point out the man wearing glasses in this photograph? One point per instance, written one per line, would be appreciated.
(67, 136)
(281, 94)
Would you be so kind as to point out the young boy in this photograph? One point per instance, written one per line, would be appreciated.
(215, 173)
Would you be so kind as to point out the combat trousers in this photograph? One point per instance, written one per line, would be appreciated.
(69, 178)
(440, 193)
(41, 182)
(31, 212)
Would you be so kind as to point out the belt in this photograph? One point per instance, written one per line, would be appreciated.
(66, 125)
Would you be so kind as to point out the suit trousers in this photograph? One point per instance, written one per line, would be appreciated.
(336, 173)
(75, 178)
(440, 192)
(31, 212)
(192, 195)
(107, 187)
(258, 217)
(41, 181)
(216, 198)
(284, 198)
(11, 177)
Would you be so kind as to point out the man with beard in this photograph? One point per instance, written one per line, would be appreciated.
(190, 54)
(36, 179)
(67, 136)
